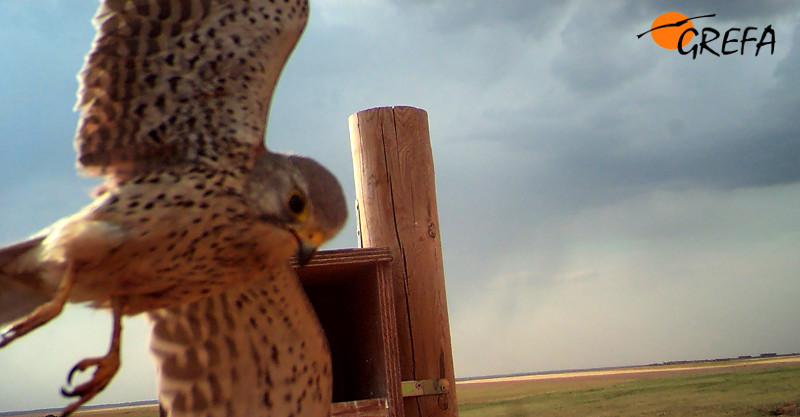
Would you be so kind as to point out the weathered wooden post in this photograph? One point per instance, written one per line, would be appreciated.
(396, 198)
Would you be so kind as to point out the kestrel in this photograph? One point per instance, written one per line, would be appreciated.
(174, 100)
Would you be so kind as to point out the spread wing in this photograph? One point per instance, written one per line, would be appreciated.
(255, 350)
(168, 81)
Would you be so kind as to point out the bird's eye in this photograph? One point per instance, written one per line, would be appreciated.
(297, 204)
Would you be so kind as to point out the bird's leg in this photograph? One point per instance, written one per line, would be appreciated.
(42, 314)
(105, 367)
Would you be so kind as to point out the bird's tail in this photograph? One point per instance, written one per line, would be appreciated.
(21, 286)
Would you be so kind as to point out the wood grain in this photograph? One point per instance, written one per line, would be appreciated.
(396, 198)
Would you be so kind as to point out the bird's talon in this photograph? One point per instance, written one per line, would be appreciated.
(8, 336)
(76, 368)
(82, 366)
(79, 391)
(65, 392)
(106, 367)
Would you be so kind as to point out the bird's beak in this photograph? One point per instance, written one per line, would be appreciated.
(307, 245)
(305, 251)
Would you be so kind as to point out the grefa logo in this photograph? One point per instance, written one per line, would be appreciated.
(674, 30)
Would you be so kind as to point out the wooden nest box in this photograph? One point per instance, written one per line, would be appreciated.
(383, 306)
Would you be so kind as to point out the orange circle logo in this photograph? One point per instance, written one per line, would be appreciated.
(667, 29)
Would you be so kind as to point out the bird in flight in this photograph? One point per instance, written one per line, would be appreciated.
(173, 100)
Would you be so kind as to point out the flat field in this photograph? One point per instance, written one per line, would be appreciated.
(752, 387)
(749, 387)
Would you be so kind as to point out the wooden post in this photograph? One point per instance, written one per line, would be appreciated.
(396, 198)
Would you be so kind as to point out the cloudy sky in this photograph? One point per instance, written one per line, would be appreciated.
(603, 201)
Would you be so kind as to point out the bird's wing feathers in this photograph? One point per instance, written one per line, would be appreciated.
(168, 81)
(256, 349)
(21, 289)
(11, 252)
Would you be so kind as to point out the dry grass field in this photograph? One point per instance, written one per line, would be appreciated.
(132, 411)
(751, 387)
(754, 387)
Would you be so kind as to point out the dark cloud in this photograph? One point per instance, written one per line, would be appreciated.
(598, 151)
(783, 99)
(534, 19)
(597, 53)
(736, 10)
(598, 169)
(537, 19)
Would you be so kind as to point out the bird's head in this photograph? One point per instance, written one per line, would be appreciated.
(301, 196)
